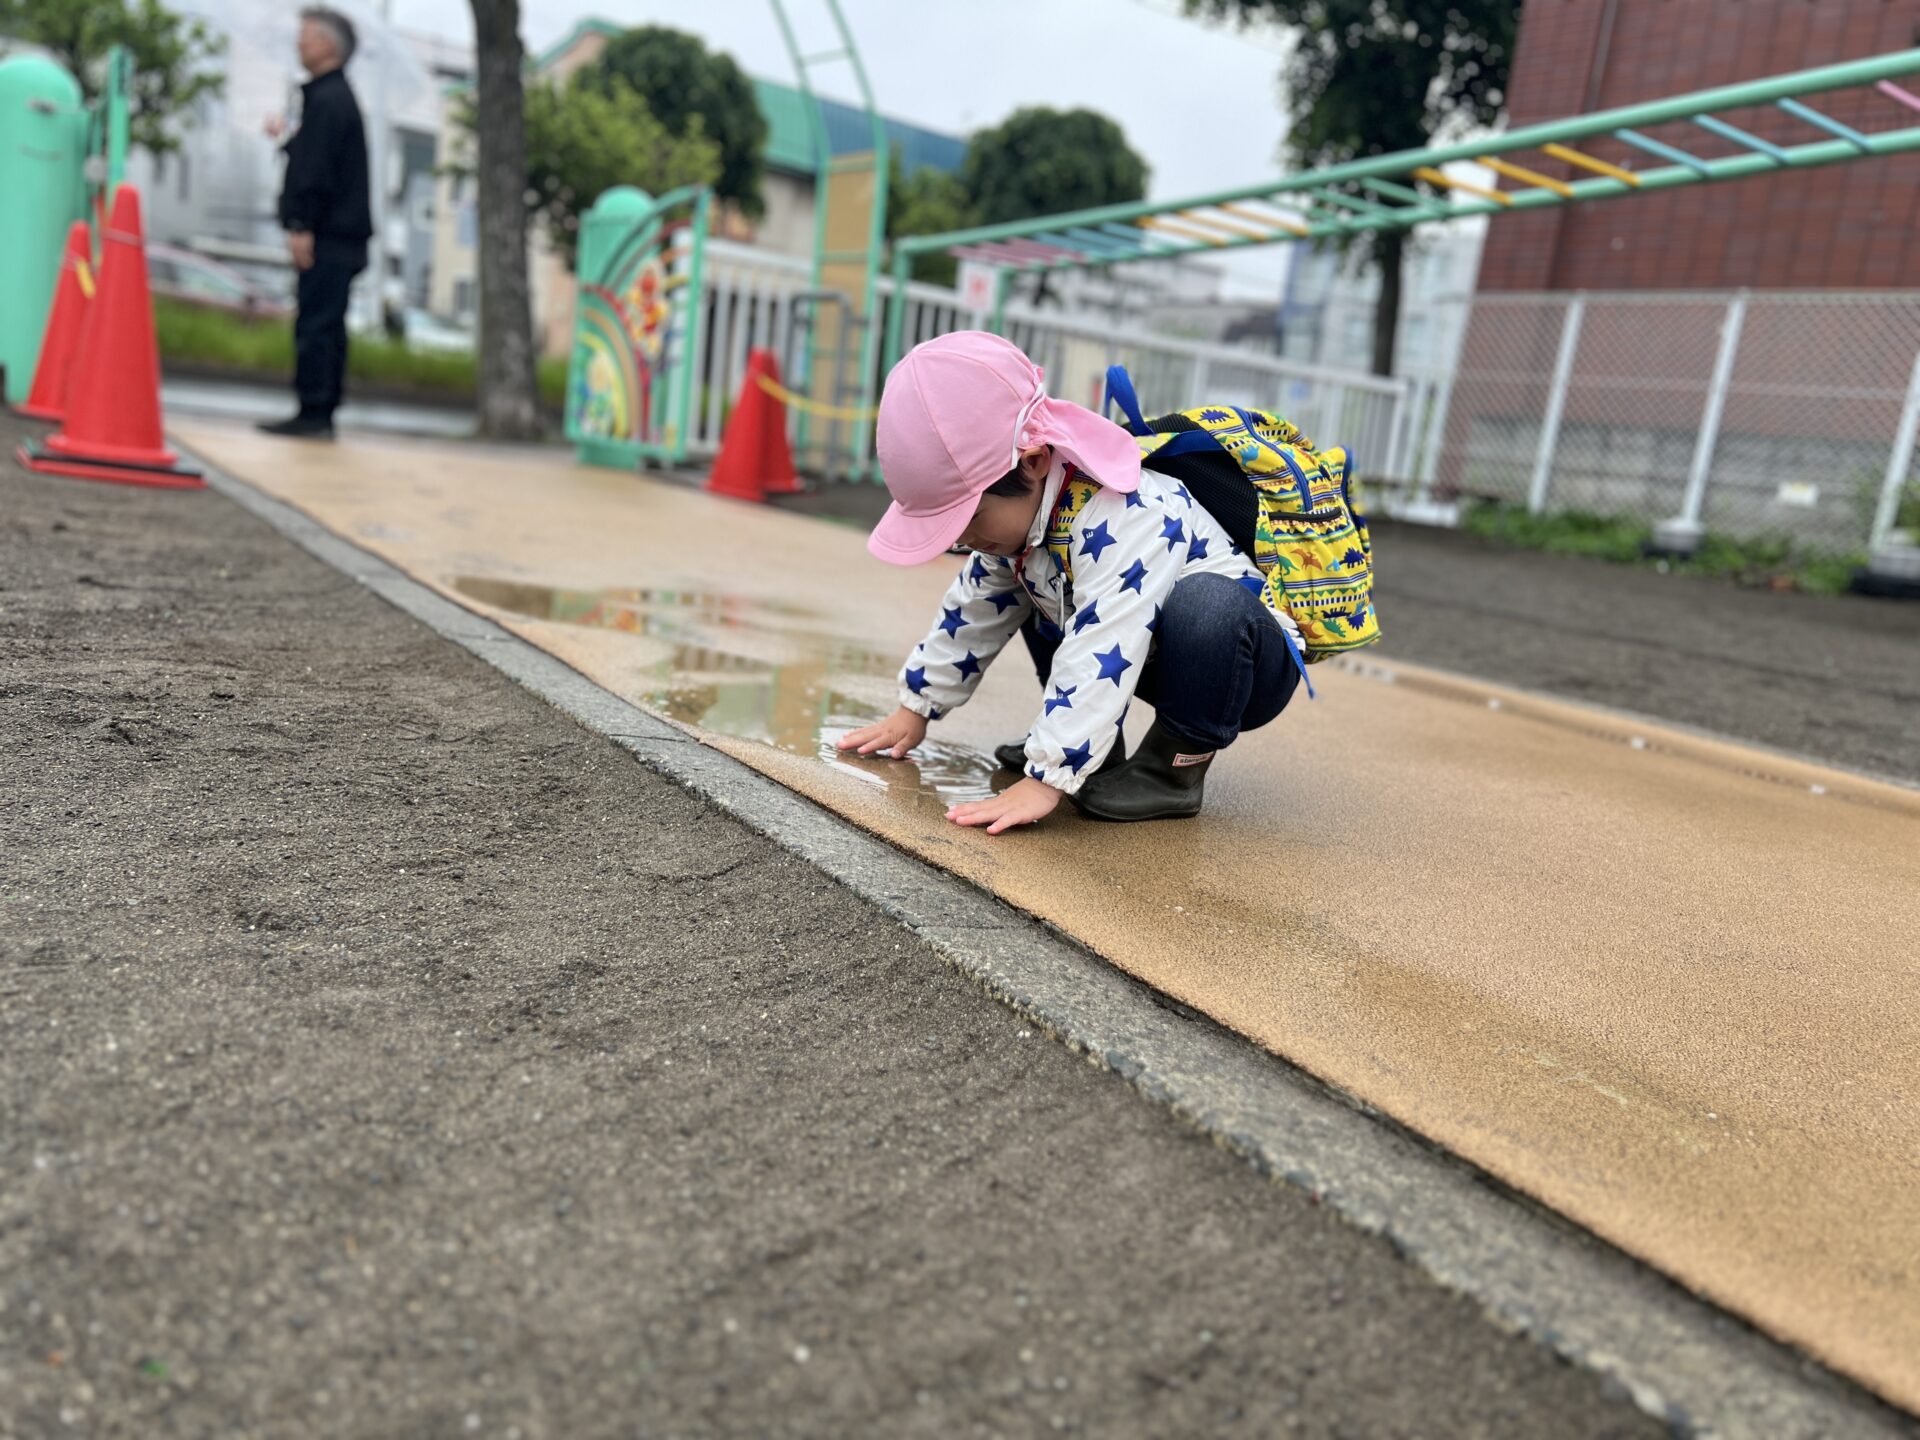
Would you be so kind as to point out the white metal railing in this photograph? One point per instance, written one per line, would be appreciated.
(750, 303)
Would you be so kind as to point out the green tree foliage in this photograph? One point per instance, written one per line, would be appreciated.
(925, 203)
(170, 53)
(686, 85)
(1369, 77)
(1038, 161)
(583, 139)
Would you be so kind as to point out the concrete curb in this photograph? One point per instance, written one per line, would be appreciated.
(1704, 1372)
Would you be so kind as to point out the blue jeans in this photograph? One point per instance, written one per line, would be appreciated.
(1221, 665)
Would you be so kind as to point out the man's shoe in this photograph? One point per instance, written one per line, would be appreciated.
(1164, 780)
(1013, 756)
(299, 427)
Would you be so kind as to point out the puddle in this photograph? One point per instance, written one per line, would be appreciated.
(755, 670)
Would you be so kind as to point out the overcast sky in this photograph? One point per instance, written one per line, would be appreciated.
(1199, 103)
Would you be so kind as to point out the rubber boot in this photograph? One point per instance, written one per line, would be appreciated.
(1164, 780)
(1013, 756)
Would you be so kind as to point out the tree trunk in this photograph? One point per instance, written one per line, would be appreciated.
(1389, 253)
(507, 399)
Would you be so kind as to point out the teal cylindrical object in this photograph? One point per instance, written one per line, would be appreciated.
(605, 226)
(43, 138)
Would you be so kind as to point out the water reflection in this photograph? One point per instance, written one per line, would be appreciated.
(758, 670)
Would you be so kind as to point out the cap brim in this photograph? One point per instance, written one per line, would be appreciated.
(905, 538)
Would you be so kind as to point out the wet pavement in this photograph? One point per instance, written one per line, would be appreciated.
(188, 397)
(1665, 984)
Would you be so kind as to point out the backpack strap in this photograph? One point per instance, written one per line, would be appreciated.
(1120, 392)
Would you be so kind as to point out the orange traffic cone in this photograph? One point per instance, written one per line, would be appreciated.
(48, 398)
(781, 477)
(754, 459)
(113, 429)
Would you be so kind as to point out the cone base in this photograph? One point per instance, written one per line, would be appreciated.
(41, 412)
(139, 457)
(730, 489)
(176, 477)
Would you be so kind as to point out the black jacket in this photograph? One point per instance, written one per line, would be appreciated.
(326, 184)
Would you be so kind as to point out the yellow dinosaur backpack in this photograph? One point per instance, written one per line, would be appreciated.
(1287, 505)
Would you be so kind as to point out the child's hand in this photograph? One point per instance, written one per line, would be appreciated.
(897, 734)
(1026, 802)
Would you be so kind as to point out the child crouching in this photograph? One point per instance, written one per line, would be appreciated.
(1121, 583)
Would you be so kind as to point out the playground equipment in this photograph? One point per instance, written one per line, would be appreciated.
(636, 334)
(1379, 193)
(1334, 201)
(838, 340)
(640, 312)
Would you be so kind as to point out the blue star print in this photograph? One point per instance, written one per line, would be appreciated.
(1093, 541)
(1079, 755)
(1181, 491)
(979, 571)
(1002, 599)
(1061, 699)
(1198, 549)
(967, 666)
(1254, 583)
(1135, 499)
(917, 680)
(1086, 617)
(950, 620)
(1154, 623)
(1113, 664)
(1173, 532)
(1136, 572)
(1036, 773)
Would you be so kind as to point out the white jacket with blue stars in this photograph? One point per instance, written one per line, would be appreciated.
(1128, 552)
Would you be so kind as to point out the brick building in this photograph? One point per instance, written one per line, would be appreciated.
(1855, 225)
(1796, 276)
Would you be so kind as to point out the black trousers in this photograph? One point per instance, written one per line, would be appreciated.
(320, 329)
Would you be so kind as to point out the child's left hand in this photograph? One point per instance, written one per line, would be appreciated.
(1025, 802)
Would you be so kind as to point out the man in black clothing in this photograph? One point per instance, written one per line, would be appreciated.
(325, 210)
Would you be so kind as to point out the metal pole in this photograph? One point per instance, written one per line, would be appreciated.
(119, 80)
(861, 440)
(1684, 531)
(1898, 464)
(696, 304)
(1002, 283)
(1556, 404)
(1436, 434)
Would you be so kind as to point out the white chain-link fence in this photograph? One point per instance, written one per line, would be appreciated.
(1753, 415)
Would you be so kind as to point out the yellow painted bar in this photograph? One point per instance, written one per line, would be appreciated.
(1527, 177)
(1587, 162)
(1447, 182)
(1226, 225)
(1155, 222)
(1292, 227)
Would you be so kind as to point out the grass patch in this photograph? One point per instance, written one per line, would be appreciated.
(232, 344)
(1771, 564)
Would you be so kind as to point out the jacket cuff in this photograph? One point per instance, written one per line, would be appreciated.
(919, 704)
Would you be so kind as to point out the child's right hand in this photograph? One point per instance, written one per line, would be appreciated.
(897, 734)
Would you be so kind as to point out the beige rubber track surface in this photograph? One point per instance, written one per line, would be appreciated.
(1666, 985)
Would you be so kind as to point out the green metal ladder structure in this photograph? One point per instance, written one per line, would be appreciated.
(836, 318)
(1379, 193)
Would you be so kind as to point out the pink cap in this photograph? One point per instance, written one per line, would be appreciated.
(955, 415)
